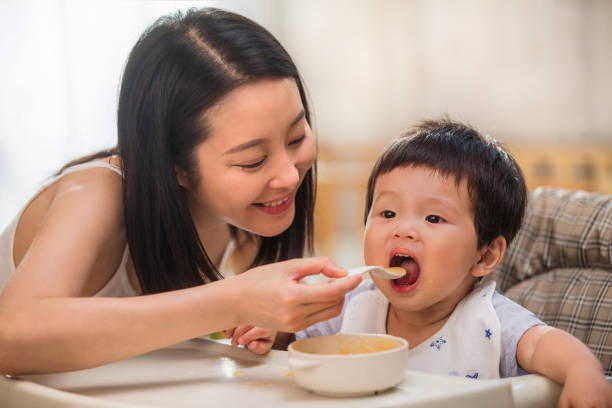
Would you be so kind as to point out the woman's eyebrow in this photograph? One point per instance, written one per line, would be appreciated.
(244, 146)
(255, 142)
(297, 119)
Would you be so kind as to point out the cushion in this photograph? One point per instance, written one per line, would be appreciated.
(576, 300)
(559, 265)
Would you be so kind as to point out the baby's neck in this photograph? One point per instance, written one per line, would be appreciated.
(416, 327)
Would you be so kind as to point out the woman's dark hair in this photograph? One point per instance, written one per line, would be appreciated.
(182, 65)
(495, 181)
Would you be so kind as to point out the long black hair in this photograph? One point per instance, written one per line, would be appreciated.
(182, 65)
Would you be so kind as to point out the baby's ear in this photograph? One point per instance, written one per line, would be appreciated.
(490, 256)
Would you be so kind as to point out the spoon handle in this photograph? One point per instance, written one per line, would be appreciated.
(386, 273)
(361, 270)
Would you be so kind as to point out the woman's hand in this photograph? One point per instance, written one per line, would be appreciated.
(256, 339)
(586, 388)
(273, 296)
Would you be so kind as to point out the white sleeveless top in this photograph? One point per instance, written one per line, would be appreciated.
(468, 345)
(119, 285)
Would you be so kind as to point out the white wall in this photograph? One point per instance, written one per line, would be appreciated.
(524, 70)
(521, 70)
(60, 68)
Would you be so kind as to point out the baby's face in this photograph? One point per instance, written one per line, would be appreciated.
(423, 222)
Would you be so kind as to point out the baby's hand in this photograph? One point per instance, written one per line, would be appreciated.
(586, 389)
(256, 339)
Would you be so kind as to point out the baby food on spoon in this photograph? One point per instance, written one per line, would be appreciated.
(409, 266)
(381, 272)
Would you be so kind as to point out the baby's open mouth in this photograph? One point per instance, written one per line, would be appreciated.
(410, 266)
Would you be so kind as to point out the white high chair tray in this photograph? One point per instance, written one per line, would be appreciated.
(202, 372)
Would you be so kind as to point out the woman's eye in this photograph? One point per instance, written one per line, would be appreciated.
(298, 140)
(251, 165)
(388, 214)
(434, 219)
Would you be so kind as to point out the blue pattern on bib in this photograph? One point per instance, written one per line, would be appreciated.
(438, 343)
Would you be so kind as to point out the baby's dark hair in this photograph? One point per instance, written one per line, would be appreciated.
(495, 181)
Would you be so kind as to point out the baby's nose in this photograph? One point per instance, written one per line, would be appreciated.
(406, 231)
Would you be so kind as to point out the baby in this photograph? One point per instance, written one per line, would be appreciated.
(443, 202)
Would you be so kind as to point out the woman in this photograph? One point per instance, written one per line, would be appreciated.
(212, 172)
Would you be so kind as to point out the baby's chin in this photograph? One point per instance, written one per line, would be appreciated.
(401, 301)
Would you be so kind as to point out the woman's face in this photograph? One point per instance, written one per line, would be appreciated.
(258, 150)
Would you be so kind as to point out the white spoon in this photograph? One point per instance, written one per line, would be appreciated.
(393, 272)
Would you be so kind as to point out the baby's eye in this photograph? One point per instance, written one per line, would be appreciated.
(434, 219)
(387, 214)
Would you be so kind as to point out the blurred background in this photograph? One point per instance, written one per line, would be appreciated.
(536, 75)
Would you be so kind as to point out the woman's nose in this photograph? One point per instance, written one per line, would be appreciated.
(285, 174)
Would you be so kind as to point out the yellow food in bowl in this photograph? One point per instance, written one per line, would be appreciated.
(361, 345)
(343, 365)
(346, 344)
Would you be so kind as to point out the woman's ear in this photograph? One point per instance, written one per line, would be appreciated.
(490, 257)
(181, 177)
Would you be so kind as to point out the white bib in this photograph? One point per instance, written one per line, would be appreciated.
(468, 345)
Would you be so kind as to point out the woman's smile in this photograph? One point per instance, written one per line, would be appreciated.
(276, 206)
(257, 154)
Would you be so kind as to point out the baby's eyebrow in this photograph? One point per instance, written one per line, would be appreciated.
(438, 200)
(448, 205)
(429, 200)
(385, 193)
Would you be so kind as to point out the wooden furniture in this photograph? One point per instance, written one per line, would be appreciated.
(343, 172)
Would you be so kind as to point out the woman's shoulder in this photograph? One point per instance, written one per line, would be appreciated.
(93, 172)
(79, 212)
(89, 197)
(104, 173)
(98, 185)
(96, 179)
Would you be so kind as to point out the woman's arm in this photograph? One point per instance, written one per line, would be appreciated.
(563, 358)
(60, 334)
(48, 325)
(48, 322)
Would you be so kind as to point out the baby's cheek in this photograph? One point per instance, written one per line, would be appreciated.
(369, 252)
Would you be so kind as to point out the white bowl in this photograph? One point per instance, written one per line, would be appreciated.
(348, 365)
